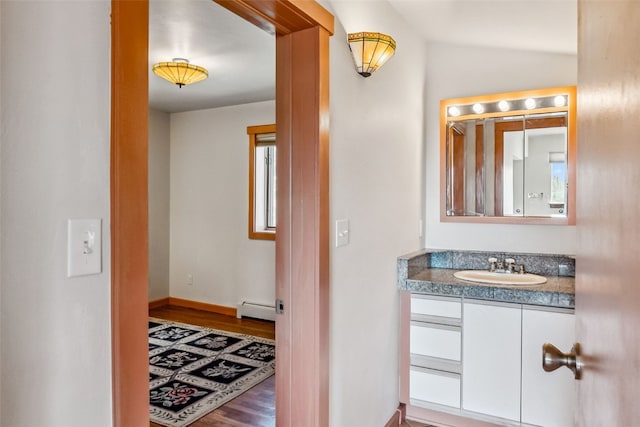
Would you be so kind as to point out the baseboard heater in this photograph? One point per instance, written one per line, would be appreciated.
(256, 310)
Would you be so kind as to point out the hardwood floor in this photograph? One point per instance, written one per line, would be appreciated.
(258, 328)
(254, 408)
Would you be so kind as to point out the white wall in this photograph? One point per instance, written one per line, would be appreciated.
(457, 71)
(376, 151)
(209, 208)
(159, 224)
(54, 163)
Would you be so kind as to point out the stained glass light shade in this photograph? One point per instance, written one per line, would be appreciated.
(180, 72)
(370, 51)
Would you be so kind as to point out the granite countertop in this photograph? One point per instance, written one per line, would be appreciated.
(415, 274)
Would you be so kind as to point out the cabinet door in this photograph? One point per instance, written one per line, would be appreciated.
(491, 338)
(432, 306)
(431, 386)
(432, 340)
(548, 398)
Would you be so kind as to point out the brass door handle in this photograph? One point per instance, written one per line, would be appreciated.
(552, 359)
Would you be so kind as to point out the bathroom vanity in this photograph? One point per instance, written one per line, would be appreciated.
(471, 353)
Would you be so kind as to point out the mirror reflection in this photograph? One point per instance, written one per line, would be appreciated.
(509, 157)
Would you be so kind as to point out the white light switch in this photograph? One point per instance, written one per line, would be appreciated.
(84, 247)
(342, 232)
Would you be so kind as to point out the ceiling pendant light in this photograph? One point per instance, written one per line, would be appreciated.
(370, 51)
(180, 72)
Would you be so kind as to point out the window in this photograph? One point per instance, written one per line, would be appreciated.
(262, 182)
(558, 166)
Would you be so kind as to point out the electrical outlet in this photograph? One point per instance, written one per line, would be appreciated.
(190, 279)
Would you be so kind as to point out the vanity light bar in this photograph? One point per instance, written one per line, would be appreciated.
(505, 105)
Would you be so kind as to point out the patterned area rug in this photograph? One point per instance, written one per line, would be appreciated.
(194, 370)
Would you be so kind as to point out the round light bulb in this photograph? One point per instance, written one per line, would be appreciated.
(454, 111)
(503, 105)
(478, 108)
(530, 103)
(559, 101)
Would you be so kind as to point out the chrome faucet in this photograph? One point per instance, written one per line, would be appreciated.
(508, 266)
(514, 268)
(495, 265)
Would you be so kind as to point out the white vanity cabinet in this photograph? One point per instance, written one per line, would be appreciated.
(482, 359)
(548, 398)
(491, 364)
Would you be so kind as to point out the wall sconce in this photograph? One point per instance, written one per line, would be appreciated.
(370, 51)
(180, 72)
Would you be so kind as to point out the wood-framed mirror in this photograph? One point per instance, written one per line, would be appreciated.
(509, 157)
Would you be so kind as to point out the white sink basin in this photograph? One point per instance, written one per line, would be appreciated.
(483, 276)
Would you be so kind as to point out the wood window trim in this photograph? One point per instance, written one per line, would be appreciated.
(253, 131)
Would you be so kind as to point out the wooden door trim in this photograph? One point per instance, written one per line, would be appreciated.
(480, 173)
(281, 16)
(302, 240)
(129, 218)
(302, 247)
(458, 149)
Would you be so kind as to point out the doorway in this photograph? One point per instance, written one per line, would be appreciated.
(302, 247)
(200, 255)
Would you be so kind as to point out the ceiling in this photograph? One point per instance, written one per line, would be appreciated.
(540, 25)
(241, 57)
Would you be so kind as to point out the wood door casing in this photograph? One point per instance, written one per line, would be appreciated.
(457, 138)
(480, 193)
(302, 241)
(457, 200)
(607, 267)
(457, 161)
(302, 31)
(129, 217)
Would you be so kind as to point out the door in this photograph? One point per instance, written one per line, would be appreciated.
(548, 399)
(607, 285)
(491, 362)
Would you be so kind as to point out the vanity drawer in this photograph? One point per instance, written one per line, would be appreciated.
(426, 305)
(434, 340)
(432, 386)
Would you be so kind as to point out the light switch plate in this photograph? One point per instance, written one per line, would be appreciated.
(84, 247)
(342, 232)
